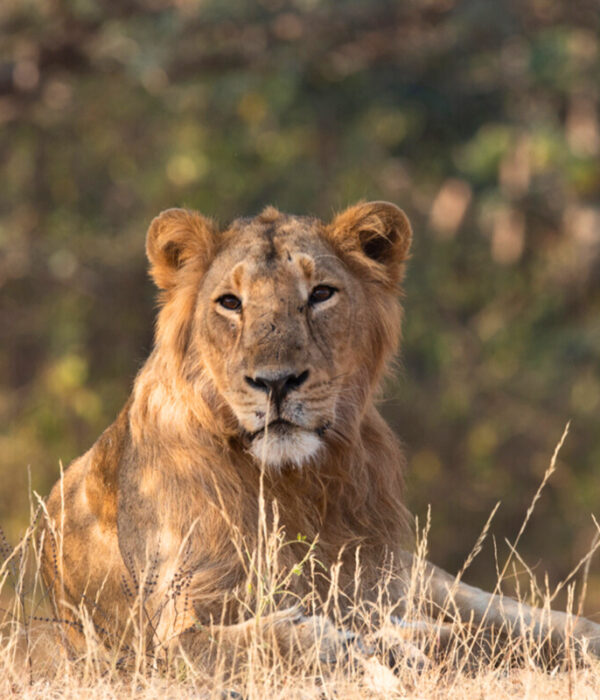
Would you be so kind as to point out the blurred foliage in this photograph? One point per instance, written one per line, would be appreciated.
(479, 118)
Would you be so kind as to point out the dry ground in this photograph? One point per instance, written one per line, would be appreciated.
(476, 664)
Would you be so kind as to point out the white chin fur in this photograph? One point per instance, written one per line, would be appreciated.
(276, 450)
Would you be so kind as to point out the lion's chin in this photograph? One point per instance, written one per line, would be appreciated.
(279, 449)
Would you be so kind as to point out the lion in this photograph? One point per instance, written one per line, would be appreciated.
(257, 403)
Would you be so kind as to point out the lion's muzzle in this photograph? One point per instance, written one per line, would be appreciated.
(277, 385)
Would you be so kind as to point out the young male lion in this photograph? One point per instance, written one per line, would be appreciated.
(256, 406)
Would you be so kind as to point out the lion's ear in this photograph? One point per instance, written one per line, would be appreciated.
(376, 234)
(174, 237)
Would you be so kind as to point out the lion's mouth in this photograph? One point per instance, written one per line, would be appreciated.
(282, 442)
(279, 426)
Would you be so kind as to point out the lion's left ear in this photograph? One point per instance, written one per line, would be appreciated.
(174, 237)
(376, 234)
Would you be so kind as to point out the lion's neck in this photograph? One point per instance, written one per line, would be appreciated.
(170, 407)
(177, 423)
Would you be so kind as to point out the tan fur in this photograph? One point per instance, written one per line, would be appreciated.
(163, 511)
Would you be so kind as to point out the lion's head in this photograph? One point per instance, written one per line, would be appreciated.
(284, 322)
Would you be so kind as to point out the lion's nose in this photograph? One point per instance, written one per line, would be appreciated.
(278, 386)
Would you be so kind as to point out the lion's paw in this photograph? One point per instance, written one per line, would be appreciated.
(394, 646)
(331, 644)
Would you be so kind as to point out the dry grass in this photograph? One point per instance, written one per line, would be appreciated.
(477, 663)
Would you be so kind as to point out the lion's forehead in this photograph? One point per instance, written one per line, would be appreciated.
(267, 251)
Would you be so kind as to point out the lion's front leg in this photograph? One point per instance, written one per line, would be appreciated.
(286, 636)
(504, 614)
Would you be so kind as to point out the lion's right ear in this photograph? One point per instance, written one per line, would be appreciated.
(375, 236)
(176, 236)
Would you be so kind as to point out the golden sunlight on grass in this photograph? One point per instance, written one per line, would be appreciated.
(385, 658)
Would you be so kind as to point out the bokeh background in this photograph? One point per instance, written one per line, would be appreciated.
(479, 118)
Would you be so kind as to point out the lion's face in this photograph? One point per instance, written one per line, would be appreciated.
(283, 307)
(274, 314)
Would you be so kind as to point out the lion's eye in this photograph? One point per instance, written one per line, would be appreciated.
(320, 293)
(230, 302)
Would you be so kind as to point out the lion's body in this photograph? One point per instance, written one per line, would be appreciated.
(172, 487)
(271, 342)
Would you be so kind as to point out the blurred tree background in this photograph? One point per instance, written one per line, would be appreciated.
(479, 118)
